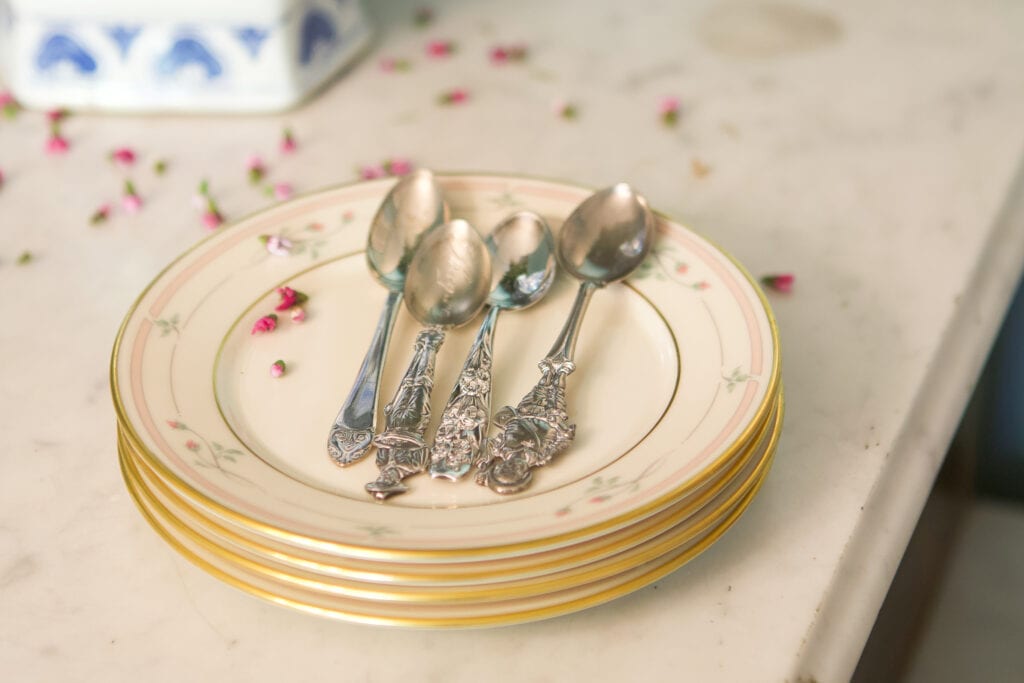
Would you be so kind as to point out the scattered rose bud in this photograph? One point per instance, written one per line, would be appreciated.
(277, 368)
(100, 215)
(346, 217)
(174, 424)
(390, 64)
(25, 258)
(267, 323)
(780, 283)
(398, 166)
(192, 445)
(212, 219)
(289, 297)
(456, 96)
(503, 54)
(57, 115)
(682, 268)
(372, 172)
(424, 16)
(567, 110)
(668, 109)
(130, 200)
(57, 144)
(440, 48)
(276, 245)
(298, 314)
(702, 285)
(160, 166)
(282, 191)
(288, 144)
(8, 104)
(256, 169)
(123, 157)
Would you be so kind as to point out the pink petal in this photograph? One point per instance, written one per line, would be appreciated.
(131, 203)
(212, 220)
(282, 191)
(57, 145)
(668, 105)
(372, 172)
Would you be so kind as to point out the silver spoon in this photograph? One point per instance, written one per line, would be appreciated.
(603, 241)
(413, 206)
(522, 270)
(446, 286)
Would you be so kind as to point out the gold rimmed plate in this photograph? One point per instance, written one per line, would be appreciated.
(678, 371)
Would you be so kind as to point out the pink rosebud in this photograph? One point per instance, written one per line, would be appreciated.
(599, 499)
(277, 368)
(123, 156)
(282, 191)
(315, 227)
(298, 314)
(780, 283)
(57, 115)
(562, 512)
(702, 285)
(131, 201)
(390, 64)
(510, 53)
(57, 145)
(256, 169)
(100, 215)
(6, 98)
(267, 323)
(398, 166)
(289, 298)
(440, 48)
(456, 96)
(372, 172)
(212, 219)
(277, 245)
(682, 268)
(346, 217)
(566, 110)
(668, 109)
(192, 445)
(174, 424)
(288, 144)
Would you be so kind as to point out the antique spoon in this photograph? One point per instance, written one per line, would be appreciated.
(413, 206)
(603, 241)
(446, 286)
(522, 270)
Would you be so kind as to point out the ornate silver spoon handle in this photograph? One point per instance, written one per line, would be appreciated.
(353, 429)
(401, 450)
(537, 429)
(464, 420)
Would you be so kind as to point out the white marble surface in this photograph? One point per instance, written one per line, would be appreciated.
(866, 147)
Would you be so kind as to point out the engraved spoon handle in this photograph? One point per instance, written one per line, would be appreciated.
(537, 429)
(353, 429)
(401, 449)
(463, 427)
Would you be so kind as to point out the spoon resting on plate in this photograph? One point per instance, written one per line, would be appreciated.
(603, 241)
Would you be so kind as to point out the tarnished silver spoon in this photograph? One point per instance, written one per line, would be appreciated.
(446, 286)
(603, 241)
(522, 270)
(413, 206)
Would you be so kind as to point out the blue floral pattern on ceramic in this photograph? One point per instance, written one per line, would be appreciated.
(188, 52)
(252, 38)
(60, 48)
(124, 36)
(317, 30)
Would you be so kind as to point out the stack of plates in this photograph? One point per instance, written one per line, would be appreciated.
(676, 399)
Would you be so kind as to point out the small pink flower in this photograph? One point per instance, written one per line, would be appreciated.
(702, 285)
(599, 499)
(277, 245)
(267, 323)
(668, 109)
(502, 54)
(123, 156)
(372, 172)
(282, 191)
(57, 145)
(398, 166)
(277, 368)
(57, 115)
(288, 144)
(315, 227)
(298, 314)
(100, 215)
(8, 104)
(212, 220)
(682, 268)
(346, 217)
(456, 96)
(192, 445)
(440, 48)
(567, 110)
(391, 64)
(289, 297)
(174, 424)
(780, 283)
(562, 512)
(131, 201)
(256, 169)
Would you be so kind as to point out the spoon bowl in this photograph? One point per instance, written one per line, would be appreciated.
(522, 261)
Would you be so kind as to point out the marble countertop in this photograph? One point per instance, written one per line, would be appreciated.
(869, 148)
